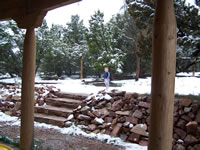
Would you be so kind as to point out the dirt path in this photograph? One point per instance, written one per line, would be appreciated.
(58, 141)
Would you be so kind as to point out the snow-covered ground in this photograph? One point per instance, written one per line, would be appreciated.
(183, 86)
(74, 131)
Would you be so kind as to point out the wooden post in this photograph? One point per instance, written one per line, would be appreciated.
(81, 70)
(28, 81)
(163, 76)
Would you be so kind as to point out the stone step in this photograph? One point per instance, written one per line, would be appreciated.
(78, 96)
(63, 102)
(53, 110)
(50, 119)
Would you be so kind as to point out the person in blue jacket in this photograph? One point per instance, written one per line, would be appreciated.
(106, 77)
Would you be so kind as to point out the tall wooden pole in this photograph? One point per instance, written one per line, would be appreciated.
(81, 69)
(28, 81)
(163, 76)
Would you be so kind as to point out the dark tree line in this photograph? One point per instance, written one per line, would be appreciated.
(123, 44)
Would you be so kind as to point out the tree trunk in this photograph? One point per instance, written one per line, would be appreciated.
(137, 67)
(193, 70)
(137, 59)
(28, 80)
(163, 77)
(81, 67)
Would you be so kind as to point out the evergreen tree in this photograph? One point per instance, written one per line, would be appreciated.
(11, 48)
(143, 14)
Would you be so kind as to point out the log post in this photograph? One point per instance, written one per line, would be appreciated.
(81, 68)
(29, 22)
(163, 76)
(28, 81)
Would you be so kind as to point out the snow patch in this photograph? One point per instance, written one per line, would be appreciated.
(75, 131)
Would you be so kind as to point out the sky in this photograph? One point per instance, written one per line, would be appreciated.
(85, 9)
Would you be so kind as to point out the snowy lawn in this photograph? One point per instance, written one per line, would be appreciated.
(187, 85)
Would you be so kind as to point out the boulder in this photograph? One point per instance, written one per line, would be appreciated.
(140, 129)
(138, 114)
(198, 117)
(123, 113)
(144, 105)
(181, 124)
(92, 127)
(83, 117)
(181, 133)
(189, 139)
(179, 147)
(116, 130)
(134, 137)
(192, 127)
(132, 120)
(143, 143)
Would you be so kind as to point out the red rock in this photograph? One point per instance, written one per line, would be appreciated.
(17, 106)
(181, 124)
(129, 95)
(103, 131)
(128, 107)
(186, 118)
(191, 148)
(85, 109)
(96, 131)
(123, 113)
(104, 125)
(41, 102)
(144, 104)
(181, 133)
(143, 143)
(117, 93)
(116, 105)
(92, 127)
(189, 139)
(191, 115)
(179, 147)
(97, 113)
(114, 122)
(116, 130)
(185, 102)
(132, 120)
(138, 114)
(121, 119)
(198, 117)
(91, 114)
(108, 119)
(134, 137)
(16, 98)
(104, 112)
(140, 129)
(195, 108)
(83, 117)
(192, 127)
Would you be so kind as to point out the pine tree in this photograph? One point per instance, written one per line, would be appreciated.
(143, 14)
(11, 48)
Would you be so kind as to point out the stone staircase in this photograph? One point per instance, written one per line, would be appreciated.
(58, 109)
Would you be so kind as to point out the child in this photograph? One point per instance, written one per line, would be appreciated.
(106, 78)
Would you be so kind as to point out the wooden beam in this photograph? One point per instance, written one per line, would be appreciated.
(11, 9)
(50, 4)
(28, 80)
(30, 20)
(163, 76)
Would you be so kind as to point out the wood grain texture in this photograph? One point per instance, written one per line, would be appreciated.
(163, 76)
